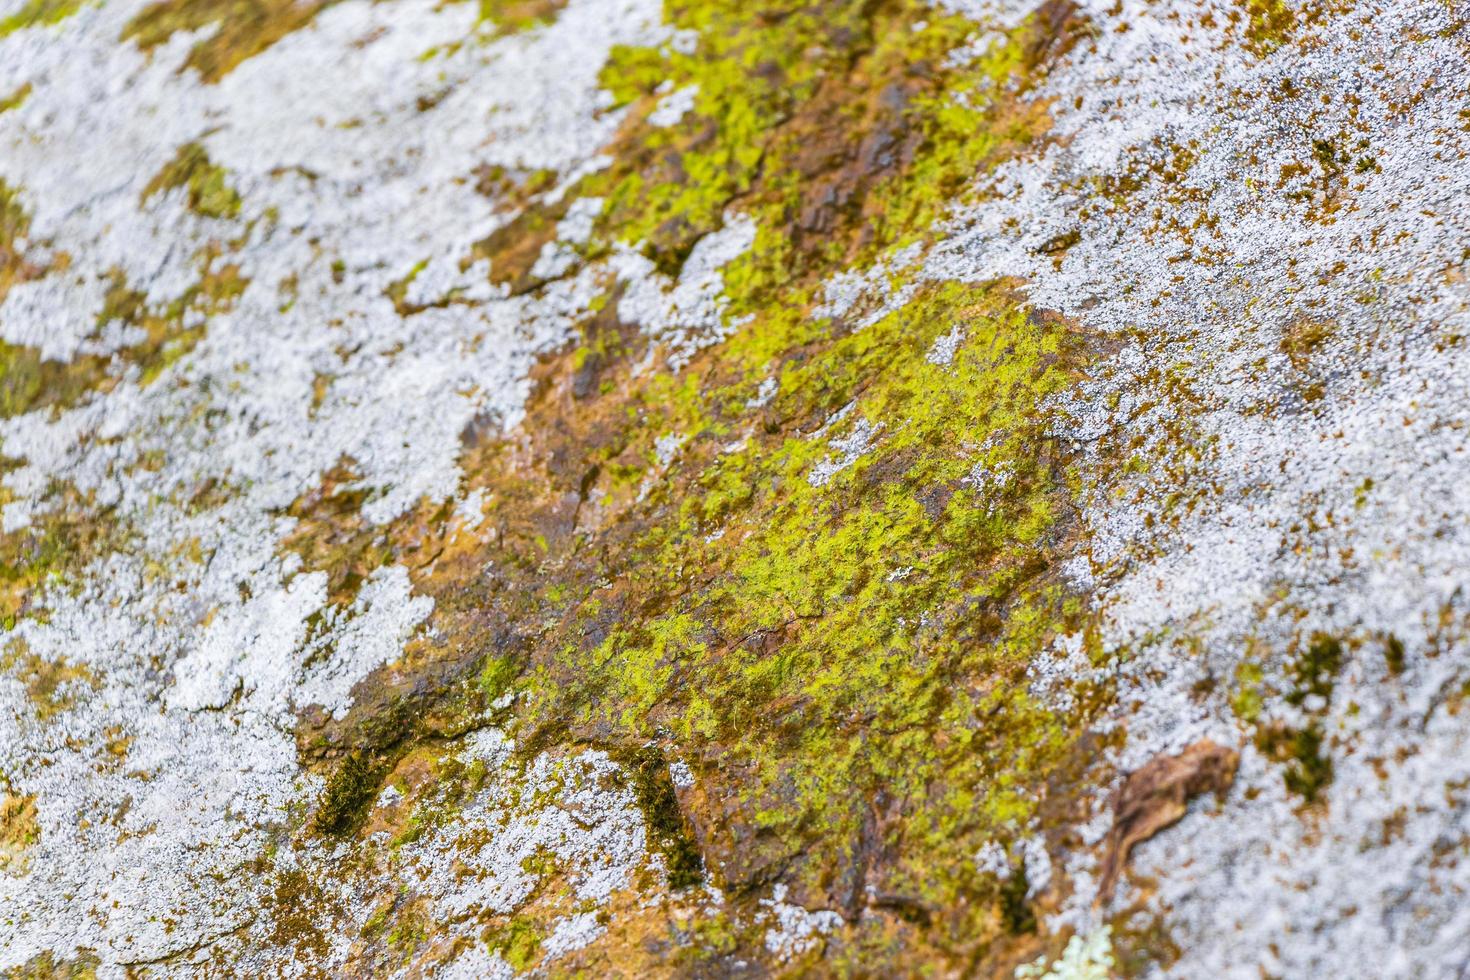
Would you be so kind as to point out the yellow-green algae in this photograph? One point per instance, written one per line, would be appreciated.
(46, 966)
(1268, 24)
(843, 665)
(51, 685)
(518, 943)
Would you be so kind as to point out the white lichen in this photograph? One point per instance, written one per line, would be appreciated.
(795, 929)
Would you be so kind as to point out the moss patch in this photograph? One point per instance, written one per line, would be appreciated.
(295, 899)
(331, 535)
(510, 16)
(837, 126)
(826, 600)
(350, 791)
(1300, 746)
(46, 966)
(1266, 25)
(1307, 768)
(19, 831)
(16, 98)
(52, 686)
(204, 182)
(29, 381)
(666, 824)
(241, 28)
(518, 942)
(15, 224)
(38, 13)
(841, 661)
(51, 551)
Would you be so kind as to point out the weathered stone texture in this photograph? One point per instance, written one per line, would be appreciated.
(725, 487)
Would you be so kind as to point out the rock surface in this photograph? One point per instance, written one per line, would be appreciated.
(601, 487)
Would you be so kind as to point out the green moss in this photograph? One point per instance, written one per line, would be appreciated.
(1301, 748)
(38, 13)
(1143, 944)
(51, 685)
(397, 291)
(15, 224)
(46, 966)
(20, 830)
(496, 676)
(867, 632)
(295, 903)
(1315, 671)
(1016, 912)
(378, 921)
(28, 381)
(331, 535)
(665, 822)
(1361, 493)
(514, 247)
(409, 932)
(1269, 24)
(518, 942)
(711, 937)
(840, 651)
(208, 192)
(833, 125)
(349, 793)
(1248, 700)
(236, 29)
(1393, 655)
(67, 533)
(15, 99)
(1307, 769)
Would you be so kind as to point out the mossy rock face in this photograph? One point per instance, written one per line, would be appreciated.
(703, 488)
